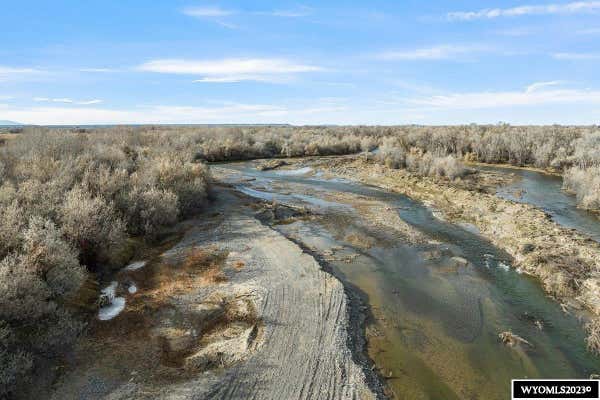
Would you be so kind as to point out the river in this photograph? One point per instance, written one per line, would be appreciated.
(436, 307)
(545, 192)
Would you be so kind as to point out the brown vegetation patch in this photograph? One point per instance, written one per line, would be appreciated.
(158, 327)
(511, 339)
(159, 281)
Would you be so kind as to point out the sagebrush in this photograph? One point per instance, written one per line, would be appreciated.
(68, 201)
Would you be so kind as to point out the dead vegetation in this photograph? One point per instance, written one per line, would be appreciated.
(167, 331)
(593, 338)
(162, 280)
(511, 339)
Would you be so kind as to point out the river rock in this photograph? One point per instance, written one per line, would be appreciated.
(459, 261)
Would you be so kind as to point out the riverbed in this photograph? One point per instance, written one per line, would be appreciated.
(436, 305)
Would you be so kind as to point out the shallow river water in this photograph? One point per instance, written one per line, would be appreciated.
(544, 191)
(437, 308)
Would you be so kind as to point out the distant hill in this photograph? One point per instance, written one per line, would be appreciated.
(4, 122)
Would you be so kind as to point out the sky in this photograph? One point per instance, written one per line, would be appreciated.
(325, 62)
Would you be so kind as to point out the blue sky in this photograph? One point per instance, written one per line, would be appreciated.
(377, 62)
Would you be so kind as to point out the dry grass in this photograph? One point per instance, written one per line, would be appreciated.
(593, 339)
(129, 340)
(160, 281)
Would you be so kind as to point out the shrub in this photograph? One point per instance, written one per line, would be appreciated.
(150, 210)
(91, 225)
(394, 156)
(34, 282)
(593, 338)
(449, 167)
(585, 183)
(391, 154)
(187, 180)
(15, 365)
(70, 196)
(12, 224)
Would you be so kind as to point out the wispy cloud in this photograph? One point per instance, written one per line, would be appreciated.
(10, 73)
(227, 113)
(213, 13)
(576, 56)
(536, 94)
(308, 110)
(237, 78)
(541, 85)
(66, 100)
(299, 12)
(442, 52)
(579, 7)
(230, 70)
(89, 102)
(220, 15)
(98, 70)
(203, 12)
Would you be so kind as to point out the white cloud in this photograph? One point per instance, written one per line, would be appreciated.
(230, 70)
(66, 100)
(207, 12)
(290, 13)
(217, 12)
(442, 52)
(10, 73)
(579, 7)
(541, 85)
(88, 102)
(237, 78)
(99, 70)
(576, 56)
(535, 94)
(226, 24)
(318, 110)
(229, 113)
